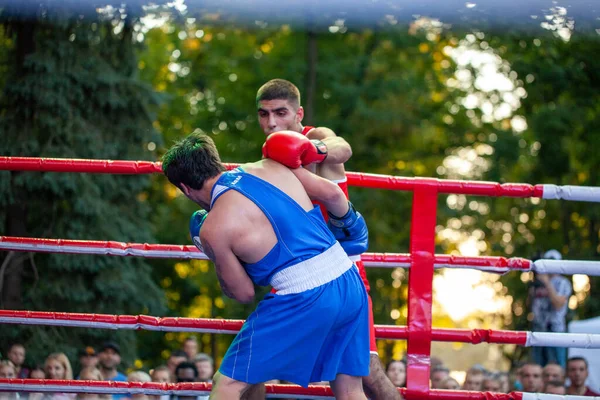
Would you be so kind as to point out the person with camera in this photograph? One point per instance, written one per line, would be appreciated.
(549, 296)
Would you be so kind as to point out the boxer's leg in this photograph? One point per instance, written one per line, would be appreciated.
(225, 388)
(346, 387)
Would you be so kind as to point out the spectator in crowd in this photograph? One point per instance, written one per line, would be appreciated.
(187, 372)
(92, 374)
(190, 347)
(396, 372)
(36, 372)
(109, 358)
(205, 366)
(515, 376)
(549, 297)
(474, 379)
(176, 358)
(555, 387)
(438, 375)
(161, 374)
(142, 377)
(491, 383)
(531, 378)
(8, 371)
(504, 382)
(450, 384)
(58, 366)
(577, 372)
(87, 357)
(16, 354)
(553, 372)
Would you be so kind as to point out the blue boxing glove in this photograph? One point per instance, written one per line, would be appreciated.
(351, 231)
(196, 221)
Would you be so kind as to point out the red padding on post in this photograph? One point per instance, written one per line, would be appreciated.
(420, 280)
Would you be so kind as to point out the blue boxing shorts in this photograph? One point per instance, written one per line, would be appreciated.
(313, 328)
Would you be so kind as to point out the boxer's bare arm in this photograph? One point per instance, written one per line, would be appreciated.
(323, 190)
(235, 282)
(338, 150)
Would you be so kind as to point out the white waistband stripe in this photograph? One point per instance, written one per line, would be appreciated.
(312, 273)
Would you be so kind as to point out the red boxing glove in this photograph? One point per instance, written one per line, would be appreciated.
(293, 149)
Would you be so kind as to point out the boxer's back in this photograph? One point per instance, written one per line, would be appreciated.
(301, 231)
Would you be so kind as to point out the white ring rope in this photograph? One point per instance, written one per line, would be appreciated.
(571, 193)
(389, 260)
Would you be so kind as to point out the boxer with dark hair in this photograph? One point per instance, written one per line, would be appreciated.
(259, 227)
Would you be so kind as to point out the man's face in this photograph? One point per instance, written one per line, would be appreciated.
(553, 372)
(161, 376)
(109, 358)
(186, 375)
(279, 115)
(531, 378)
(577, 372)
(473, 382)
(190, 347)
(205, 370)
(16, 354)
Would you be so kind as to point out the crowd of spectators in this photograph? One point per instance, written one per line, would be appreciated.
(103, 364)
(525, 377)
(189, 365)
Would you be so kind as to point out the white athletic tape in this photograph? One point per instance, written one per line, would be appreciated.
(567, 267)
(107, 251)
(560, 339)
(573, 193)
(543, 396)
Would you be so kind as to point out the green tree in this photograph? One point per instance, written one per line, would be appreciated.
(73, 90)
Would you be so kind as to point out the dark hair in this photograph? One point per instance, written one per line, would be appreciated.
(279, 89)
(192, 161)
(178, 353)
(14, 344)
(578, 358)
(36, 368)
(186, 365)
(387, 367)
(439, 368)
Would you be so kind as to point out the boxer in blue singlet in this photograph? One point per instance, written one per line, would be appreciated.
(263, 229)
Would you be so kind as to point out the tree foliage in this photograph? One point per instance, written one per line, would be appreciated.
(72, 90)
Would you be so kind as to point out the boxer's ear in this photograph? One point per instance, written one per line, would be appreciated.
(299, 114)
(184, 188)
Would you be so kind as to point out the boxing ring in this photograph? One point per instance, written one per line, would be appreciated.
(422, 261)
